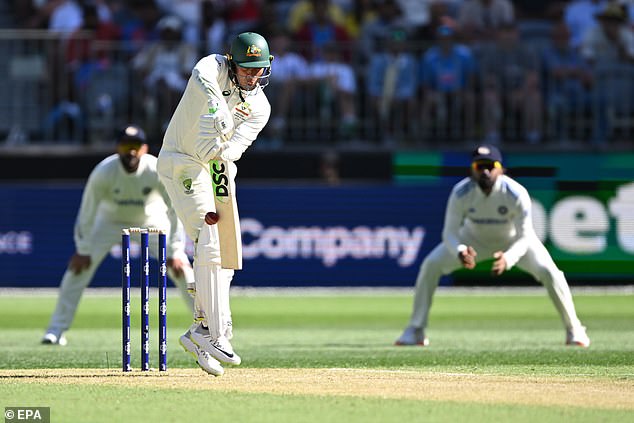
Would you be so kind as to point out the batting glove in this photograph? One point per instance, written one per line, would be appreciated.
(216, 124)
(208, 149)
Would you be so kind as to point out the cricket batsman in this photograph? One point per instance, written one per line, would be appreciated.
(122, 191)
(220, 114)
(488, 215)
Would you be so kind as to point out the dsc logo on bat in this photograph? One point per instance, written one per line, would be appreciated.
(220, 180)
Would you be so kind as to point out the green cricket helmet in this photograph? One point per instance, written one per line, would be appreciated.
(250, 50)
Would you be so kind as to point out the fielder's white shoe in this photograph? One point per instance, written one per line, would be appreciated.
(51, 338)
(204, 360)
(219, 348)
(412, 336)
(578, 337)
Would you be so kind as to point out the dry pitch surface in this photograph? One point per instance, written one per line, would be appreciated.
(576, 391)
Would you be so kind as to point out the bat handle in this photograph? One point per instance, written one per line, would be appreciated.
(212, 106)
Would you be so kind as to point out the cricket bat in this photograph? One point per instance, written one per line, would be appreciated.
(230, 236)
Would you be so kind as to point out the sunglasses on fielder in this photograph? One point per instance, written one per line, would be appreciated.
(127, 146)
(481, 165)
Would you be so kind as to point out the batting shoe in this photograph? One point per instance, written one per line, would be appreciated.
(204, 360)
(577, 336)
(51, 338)
(412, 336)
(219, 348)
(229, 330)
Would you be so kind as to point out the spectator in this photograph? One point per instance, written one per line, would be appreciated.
(302, 12)
(137, 20)
(440, 14)
(610, 41)
(244, 15)
(88, 48)
(322, 30)
(447, 75)
(579, 16)
(336, 86)
(213, 28)
(392, 85)
(88, 52)
(376, 32)
(188, 11)
(66, 17)
(511, 87)
(164, 67)
(480, 20)
(288, 71)
(568, 81)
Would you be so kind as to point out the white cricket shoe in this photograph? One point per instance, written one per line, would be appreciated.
(204, 360)
(412, 336)
(219, 348)
(51, 338)
(577, 336)
(229, 330)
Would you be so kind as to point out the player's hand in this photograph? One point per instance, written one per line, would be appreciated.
(467, 257)
(79, 263)
(208, 149)
(212, 125)
(499, 263)
(176, 265)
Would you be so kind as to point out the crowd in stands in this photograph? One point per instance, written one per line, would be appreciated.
(384, 72)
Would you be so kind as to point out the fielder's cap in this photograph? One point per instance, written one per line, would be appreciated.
(486, 152)
(131, 133)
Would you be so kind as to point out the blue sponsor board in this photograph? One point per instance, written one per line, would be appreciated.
(294, 235)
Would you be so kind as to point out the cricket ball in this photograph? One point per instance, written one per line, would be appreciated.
(211, 218)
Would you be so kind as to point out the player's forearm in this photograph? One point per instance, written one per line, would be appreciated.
(206, 77)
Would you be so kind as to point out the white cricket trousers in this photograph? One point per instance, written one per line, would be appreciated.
(537, 262)
(188, 184)
(72, 286)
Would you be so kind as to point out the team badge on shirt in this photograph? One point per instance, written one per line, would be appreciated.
(503, 210)
(146, 190)
(187, 184)
(242, 111)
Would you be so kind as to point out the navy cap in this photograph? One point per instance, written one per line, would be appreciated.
(131, 133)
(486, 152)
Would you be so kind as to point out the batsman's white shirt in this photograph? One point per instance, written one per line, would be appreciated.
(498, 221)
(210, 80)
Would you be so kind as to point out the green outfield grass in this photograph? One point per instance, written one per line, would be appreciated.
(480, 335)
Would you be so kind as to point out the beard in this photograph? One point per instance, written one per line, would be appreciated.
(130, 163)
(485, 183)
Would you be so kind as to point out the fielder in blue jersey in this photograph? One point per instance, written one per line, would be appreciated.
(488, 216)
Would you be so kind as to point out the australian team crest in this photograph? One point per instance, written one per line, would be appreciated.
(254, 51)
(187, 184)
